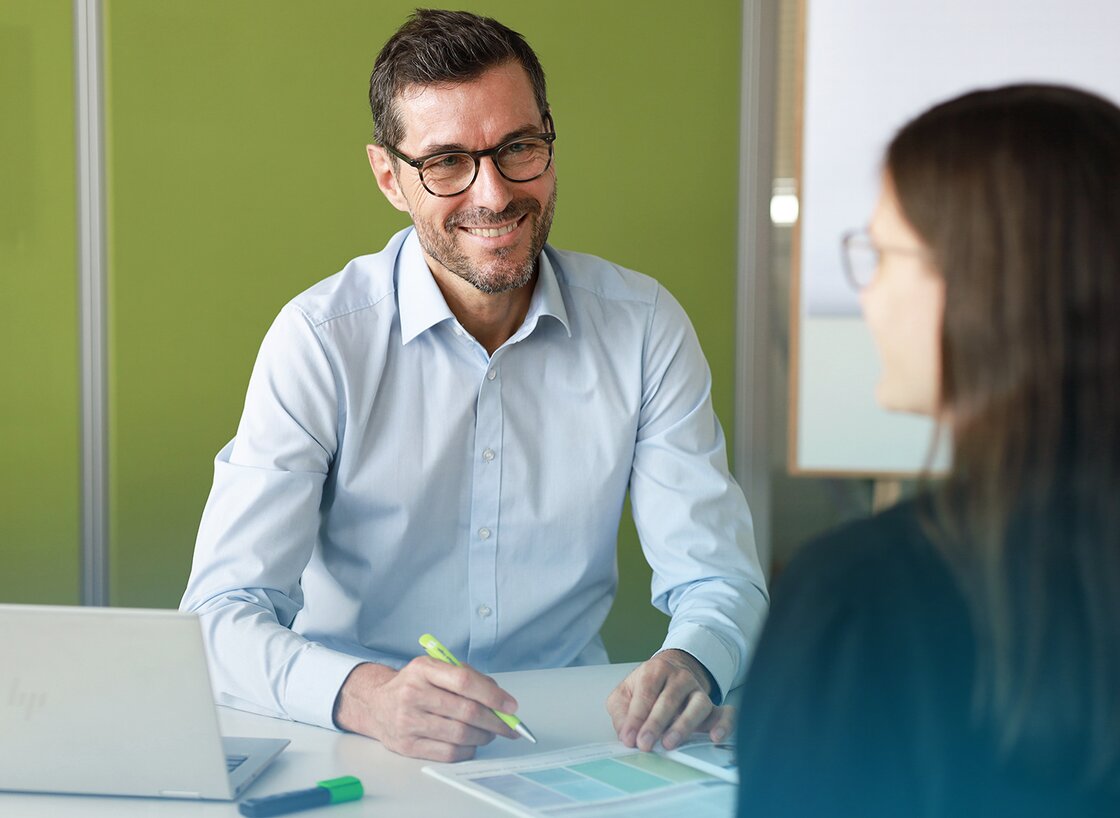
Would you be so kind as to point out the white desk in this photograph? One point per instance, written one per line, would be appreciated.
(563, 707)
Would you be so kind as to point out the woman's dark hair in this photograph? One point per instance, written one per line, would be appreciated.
(436, 47)
(1016, 191)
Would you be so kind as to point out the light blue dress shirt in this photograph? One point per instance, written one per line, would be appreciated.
(390, 478)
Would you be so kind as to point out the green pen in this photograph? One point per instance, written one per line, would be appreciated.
(437, 651)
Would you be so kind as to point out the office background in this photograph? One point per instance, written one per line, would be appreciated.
(235, 177)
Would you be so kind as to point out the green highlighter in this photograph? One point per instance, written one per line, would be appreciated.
(332, 791)
(437, 651)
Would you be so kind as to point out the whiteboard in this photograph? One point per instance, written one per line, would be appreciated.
(868, 67)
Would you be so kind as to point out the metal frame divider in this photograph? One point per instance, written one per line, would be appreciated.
(752, 320)
(89, 99)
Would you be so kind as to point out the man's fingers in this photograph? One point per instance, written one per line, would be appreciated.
(433, 750)
(720, 723)
(425, 706)
(661, 695)
(455, 732)
(675, 697)
(696, 711)
(618, 704)
(427, 709)
(466, 711)
(425, 726)
(646, 690)
(466, 682)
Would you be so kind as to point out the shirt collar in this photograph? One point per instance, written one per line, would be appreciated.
(419, 301)
(548, 299)
(422, 305)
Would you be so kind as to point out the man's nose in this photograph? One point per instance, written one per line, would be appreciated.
(490, 189)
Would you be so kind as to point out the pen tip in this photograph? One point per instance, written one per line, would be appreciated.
(526, 732)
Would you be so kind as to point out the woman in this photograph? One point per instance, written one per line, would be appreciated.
(960, 653)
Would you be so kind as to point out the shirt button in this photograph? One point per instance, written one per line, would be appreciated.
(484, 611)
(488, 455)
(484, 533)
(493, 373)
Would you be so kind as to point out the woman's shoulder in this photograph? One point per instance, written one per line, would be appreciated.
(888, 553)
(861, 674)
(881, 582)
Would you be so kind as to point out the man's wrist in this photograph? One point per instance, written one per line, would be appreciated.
(702, 675)
(349, 704)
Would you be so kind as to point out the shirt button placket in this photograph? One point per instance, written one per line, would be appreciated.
(485, 508)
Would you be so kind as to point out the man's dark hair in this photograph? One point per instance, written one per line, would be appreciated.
(436, 47)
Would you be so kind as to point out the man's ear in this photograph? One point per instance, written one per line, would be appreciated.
(382, 165)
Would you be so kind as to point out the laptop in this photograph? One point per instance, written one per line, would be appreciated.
(115, 701)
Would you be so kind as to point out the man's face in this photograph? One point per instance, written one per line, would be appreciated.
(457, 233)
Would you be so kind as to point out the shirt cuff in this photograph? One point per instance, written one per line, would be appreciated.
(314, 683)
(710, 651)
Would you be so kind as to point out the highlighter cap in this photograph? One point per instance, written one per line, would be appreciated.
(347, 788)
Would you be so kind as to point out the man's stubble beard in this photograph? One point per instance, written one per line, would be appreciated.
(499, 274)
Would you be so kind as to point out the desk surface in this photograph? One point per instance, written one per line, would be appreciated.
(564, 707)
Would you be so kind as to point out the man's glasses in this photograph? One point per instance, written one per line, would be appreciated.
(449, 173)
(862, 257)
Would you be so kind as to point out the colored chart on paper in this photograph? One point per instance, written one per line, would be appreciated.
(602, 780)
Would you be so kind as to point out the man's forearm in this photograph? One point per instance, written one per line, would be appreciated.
(258, 664)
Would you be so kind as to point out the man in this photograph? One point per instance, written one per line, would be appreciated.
(441, 436)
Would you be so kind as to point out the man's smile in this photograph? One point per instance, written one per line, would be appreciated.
(492, 232)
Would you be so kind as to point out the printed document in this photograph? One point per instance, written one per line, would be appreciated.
(698, 779)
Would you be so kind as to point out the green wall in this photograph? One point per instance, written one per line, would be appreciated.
(237, 178)
(39, 375)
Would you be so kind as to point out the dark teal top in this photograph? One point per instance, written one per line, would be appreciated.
(858, 700)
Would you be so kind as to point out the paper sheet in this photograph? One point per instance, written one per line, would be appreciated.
(604, 780)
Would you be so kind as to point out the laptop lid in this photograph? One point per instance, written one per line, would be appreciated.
(110, 701)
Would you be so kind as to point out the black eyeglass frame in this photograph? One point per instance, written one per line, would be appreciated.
(478, 156)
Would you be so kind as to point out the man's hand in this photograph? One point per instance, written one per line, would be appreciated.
(667, 698)
(427, 709)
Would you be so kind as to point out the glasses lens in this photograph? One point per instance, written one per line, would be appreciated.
(448, 173)
(862, 259)
(524, 159)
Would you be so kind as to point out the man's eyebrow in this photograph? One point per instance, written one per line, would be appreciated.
(444, 147)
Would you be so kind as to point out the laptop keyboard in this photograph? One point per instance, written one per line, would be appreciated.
(233, 762)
